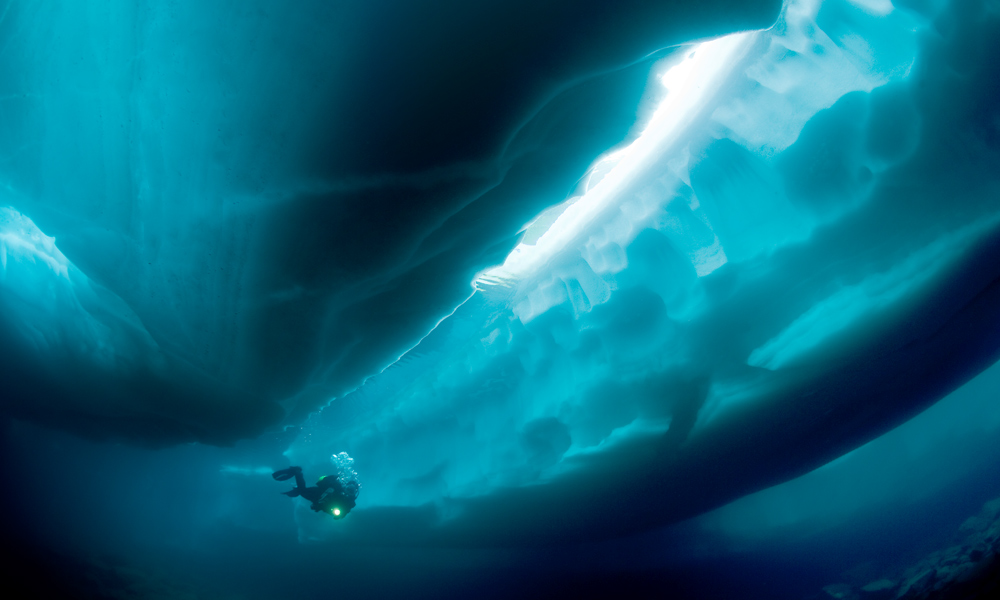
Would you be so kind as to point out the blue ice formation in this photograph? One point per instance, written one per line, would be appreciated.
(786, 246)
(287, 199)
(762, 278)
(927, 456)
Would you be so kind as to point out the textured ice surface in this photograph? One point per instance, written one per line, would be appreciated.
(619, 281)
(287, 198)
(764, 276)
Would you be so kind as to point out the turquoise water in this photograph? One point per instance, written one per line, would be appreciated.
(626, 299)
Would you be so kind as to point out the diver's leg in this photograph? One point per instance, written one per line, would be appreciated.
(286, 474)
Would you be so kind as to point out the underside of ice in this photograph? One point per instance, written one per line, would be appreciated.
(660, 276)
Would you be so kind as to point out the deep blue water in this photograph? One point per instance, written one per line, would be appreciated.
(639, 299)
(103, 519)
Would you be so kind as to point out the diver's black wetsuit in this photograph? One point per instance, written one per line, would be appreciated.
(311, 494)
(327, 496)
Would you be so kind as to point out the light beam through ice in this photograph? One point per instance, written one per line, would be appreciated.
(692, 83)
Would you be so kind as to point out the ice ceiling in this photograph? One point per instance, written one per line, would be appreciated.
(539, 268)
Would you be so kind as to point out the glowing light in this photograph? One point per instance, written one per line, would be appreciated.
(336, 512)
(692, 84)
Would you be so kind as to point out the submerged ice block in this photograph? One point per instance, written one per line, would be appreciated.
(286, 198)
(619, 291)
(796, 261)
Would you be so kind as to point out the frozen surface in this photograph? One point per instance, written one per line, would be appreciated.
(762, 277)
(287, 198)
(596, 281)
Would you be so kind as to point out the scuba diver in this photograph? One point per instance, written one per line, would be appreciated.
(329, 495)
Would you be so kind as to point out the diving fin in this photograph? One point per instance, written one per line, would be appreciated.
(286, 474)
